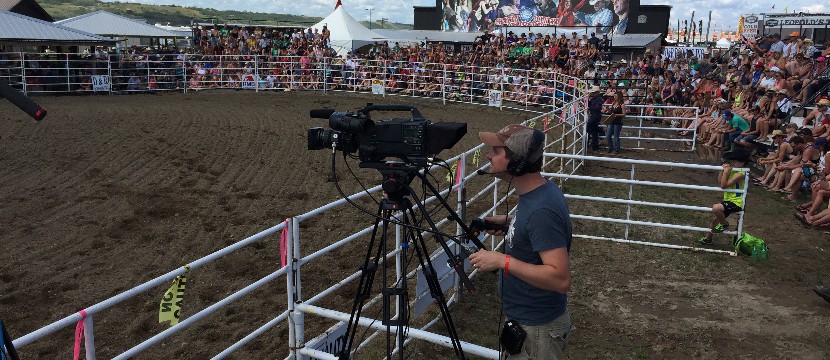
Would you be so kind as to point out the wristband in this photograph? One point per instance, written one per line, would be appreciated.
(506, 265)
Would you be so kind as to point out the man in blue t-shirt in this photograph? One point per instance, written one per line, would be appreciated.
(535, 268)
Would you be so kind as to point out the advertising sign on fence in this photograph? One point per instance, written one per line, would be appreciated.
(101, 83)
(377, 87)
(494, 98)
(442, 271)
(332, 342)
(250, 81)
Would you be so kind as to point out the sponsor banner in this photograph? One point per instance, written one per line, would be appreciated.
(250, 81)
(377, 87)
(799, 20)
(494, 98)
(100, 83)
(673, 52)
(516, 20)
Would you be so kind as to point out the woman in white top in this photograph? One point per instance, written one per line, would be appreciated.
(768, 80)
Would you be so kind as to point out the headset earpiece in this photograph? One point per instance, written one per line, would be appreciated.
(519, 165)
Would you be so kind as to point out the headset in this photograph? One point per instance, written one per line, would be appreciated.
(519, 165)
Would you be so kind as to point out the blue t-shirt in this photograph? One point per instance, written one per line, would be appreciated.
(542, 221)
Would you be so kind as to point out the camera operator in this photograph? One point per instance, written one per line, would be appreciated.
(535, 276)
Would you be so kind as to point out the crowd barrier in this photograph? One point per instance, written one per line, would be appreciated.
(634, 183)
(35, 73)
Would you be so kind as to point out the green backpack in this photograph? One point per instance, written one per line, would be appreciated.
(751, 245)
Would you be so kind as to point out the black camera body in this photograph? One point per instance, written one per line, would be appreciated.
(414, 140)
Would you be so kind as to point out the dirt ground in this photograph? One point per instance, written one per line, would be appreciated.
(111, 191)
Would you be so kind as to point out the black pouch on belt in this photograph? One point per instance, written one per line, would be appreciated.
(512, 337)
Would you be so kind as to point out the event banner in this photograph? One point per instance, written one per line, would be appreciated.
(485, 15)
(674, 52)
(798, 20)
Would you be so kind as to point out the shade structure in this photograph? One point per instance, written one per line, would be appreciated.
(346, 33)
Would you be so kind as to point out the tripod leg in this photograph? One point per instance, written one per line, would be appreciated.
(367, 277)
(435, 285)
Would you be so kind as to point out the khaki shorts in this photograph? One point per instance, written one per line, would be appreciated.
(545, 342)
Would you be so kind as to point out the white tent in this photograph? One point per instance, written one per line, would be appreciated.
(723, 43)
(346, 33)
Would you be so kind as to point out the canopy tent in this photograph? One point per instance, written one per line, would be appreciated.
(346, 33)
(723, 43)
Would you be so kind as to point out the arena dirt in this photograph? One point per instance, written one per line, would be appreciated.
(111, 191)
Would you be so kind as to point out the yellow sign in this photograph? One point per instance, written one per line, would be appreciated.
(532, 124)
(477, 158)
(171, 303)
(452, 172)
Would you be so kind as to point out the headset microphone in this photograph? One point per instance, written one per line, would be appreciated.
(484, 172)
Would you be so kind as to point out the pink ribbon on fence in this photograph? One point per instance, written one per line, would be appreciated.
(546, 123)
(284, 245)
(79, 335)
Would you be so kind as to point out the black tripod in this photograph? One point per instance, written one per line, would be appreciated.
(396, 180)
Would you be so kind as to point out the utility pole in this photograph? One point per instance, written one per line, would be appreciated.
(370, 16)
(382, 22)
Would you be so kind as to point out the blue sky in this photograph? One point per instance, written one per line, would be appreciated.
(725, 13)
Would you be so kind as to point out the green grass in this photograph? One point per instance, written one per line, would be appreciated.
(183, 16)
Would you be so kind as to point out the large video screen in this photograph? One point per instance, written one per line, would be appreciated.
(486, 15)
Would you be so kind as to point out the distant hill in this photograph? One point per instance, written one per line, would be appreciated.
(183, 16)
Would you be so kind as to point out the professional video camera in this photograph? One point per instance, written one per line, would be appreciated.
(414, 140)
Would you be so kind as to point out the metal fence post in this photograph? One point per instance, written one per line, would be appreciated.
(23, 72)
(184, 73)
(694, 133)
(628, 206)
(444, 84)
(640, 130)
(68, 81)
(89, 338)
(326, 73)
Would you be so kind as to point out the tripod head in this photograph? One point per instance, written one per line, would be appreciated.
(396, 178)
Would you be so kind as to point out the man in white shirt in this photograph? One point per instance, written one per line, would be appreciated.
(777, 44)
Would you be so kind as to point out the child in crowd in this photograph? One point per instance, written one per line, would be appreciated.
(732, 202)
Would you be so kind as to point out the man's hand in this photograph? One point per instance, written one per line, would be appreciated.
(498, 220)
(727, 168)
(486, 260)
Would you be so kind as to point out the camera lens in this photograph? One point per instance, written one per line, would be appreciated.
(319, 138)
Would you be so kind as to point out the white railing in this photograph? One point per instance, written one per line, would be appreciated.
(678, 123)
(64, 72)
(629, 202)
